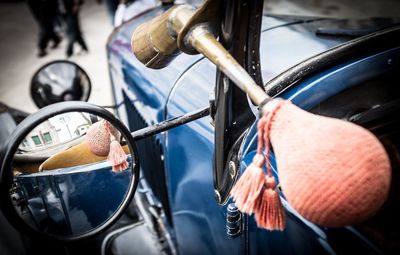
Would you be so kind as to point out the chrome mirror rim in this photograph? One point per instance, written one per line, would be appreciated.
(23, 129)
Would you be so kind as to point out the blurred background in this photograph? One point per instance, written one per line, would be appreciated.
(18, 50)
(19, 32)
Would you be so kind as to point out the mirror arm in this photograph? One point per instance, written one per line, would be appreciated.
(171, 123)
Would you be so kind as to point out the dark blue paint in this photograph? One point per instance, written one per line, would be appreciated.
(74, 200)
(306, 95)
(148, 88)
(186, 85)
(316, 89)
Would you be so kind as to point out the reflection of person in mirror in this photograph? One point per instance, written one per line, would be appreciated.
(71, 9)
(45, 11)
(47, 94)
(75, 92)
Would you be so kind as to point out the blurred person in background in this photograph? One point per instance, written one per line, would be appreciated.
(116, 8)
(71, 8)
(129, 8)
(111, 6)
(45, 12)
(126, 9)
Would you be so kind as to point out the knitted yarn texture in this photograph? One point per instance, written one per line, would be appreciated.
(98, 138)
(333, 172)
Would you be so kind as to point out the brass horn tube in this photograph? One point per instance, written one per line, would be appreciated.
(154, 42)
(205, 43)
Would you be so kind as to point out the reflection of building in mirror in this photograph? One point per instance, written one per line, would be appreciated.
(81, 129)
(65, 129)
(71, 125)
(42, 136)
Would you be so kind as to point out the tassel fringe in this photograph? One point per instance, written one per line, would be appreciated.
(270, 213)
(255, 192)
(248, 188)
(117, 157)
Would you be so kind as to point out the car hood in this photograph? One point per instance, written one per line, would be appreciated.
(285, 41)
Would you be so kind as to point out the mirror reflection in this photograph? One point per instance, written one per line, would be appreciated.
(59, 81)
(71, 173)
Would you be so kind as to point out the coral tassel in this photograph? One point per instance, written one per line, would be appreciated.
(256, 192)
(117, 157)
(270, 214)
(249, 186)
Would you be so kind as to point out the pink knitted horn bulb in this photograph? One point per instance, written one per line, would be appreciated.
(333, 172)
(98, 138)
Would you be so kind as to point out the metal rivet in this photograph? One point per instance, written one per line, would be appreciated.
(226, 84)
(232, 169)
(217, 196)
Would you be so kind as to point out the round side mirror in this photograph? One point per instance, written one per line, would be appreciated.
(59, 81)
(68, 172)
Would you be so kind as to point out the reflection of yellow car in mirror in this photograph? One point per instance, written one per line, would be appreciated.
(91, 145)
(30, 161)
(77, 155)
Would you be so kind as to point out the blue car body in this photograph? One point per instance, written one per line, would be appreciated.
(74, 200)
(183, 156)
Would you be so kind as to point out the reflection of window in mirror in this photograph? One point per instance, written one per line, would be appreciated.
(36, 140)
(47, 138)
(81, 129)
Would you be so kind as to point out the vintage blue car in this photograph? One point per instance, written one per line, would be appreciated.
(337, 68)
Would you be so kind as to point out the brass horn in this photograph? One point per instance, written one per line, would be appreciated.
(183, 28)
